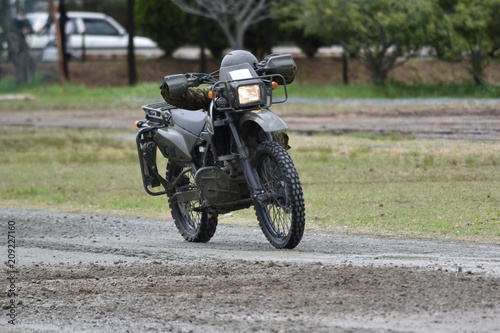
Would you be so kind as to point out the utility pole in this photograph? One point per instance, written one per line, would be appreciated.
(55, 21)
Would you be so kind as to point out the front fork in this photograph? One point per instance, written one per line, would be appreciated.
(254, 184)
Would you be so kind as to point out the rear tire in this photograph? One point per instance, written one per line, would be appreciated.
(195, 225)
(282, 217)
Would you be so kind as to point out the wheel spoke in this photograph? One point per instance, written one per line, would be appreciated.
(192, 221)
(187, 209)
(277, 209)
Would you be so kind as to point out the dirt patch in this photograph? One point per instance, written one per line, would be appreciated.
(91, 273)
(255, 296)
(461, 121)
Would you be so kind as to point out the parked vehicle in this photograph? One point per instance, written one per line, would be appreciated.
(93, 35)
(228, 158)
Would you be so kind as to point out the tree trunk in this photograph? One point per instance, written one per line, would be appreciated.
(345, 67)
(240, 39)
(270, 36)
(378, 73)
(203, 58)
(478, 65)
(380, 63)
(63, 19)
(379, 78)
(132, 71)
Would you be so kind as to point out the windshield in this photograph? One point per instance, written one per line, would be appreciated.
(37, 20)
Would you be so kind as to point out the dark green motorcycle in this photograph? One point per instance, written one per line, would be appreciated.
(232, 157)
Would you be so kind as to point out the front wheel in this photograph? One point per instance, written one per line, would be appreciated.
(281, 214)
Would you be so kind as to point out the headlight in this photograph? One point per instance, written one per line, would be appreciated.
(249, 94)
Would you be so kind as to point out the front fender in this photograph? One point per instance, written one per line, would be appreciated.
(265, 118)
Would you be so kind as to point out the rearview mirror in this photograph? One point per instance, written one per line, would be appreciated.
(283, 65)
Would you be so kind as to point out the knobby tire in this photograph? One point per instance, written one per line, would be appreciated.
(194, 226)
(282, 217)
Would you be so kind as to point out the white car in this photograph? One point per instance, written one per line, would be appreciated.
(93, 35)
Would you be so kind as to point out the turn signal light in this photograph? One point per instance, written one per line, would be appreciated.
(275, 85)
(212, 94)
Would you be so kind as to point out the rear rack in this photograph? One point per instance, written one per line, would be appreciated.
(154, 112)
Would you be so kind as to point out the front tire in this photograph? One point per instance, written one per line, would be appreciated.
(282, 215)
(194, 224)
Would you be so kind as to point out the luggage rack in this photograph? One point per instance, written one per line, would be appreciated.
(154, 112)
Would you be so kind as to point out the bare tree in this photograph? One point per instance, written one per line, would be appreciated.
(234, 16)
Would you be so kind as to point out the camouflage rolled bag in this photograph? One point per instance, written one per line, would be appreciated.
(192, 99)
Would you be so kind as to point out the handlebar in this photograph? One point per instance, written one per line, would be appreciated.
(195, 79)
(281, 65)
(178, 84)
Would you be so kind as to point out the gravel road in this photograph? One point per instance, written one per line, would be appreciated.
(91, 273)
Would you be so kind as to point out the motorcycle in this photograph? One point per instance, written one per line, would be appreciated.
(228, 158)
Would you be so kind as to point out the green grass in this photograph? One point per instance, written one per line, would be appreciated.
(359, 183)
(80, 97)
(400, 185)
(394, 90)
(77, 96)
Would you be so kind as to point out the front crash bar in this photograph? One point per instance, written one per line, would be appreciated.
(149, 170)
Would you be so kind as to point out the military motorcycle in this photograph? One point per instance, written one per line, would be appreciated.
(227, 158)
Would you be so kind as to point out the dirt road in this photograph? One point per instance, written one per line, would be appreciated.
(471, 119)
(89, 273)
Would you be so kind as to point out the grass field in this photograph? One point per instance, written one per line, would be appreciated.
(359, 183)
(78, 96)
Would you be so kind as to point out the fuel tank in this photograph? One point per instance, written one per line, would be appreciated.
(177, 141)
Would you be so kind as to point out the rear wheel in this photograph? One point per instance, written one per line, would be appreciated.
(194, 223)
(282, 214)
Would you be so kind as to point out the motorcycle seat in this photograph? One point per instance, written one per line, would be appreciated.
(191, 121)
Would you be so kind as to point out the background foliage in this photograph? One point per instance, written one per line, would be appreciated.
(381, 34)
